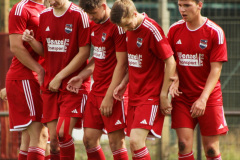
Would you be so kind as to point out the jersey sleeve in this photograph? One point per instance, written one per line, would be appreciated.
(84, 30)
(159, 45)
(219, 48)
(17, 21)
(119, 37)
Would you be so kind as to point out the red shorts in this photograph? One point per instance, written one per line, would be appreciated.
(146, 116)
(25, 103)
(94, 119)
(63, 104)
(211, 123)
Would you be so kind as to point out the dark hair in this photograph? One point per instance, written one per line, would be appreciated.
(89, 5)
(121, 9)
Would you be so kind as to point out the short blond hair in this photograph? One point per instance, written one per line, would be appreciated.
(122, 9)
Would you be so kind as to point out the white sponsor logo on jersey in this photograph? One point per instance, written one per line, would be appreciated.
(135, 60)
(75, 111)
(195, 60)
(57, 45)
(220, 127)
(144, 121)
(47, 29)
(99, 52)
(179, 41)
(118, 122)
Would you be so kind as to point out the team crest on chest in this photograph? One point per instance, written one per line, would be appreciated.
(68, 28)
(139, 42)
(203, 44)
(104, 35)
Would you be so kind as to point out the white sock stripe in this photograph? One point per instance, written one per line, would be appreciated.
(37, 150)
(186, 155)
(142, 153)
(64, 145)
(94, 149)
(24, 153)
(120, 151)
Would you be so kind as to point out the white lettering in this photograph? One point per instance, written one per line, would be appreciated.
(195, 60)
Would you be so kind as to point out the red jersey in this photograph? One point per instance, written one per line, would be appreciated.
(147, 48)
(194, 50)
(61, 37)
(24, 15)
(107, 39)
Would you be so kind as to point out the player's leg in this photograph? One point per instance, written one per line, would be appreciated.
(38, 140)
(185, 143)
(184, 125)
(212, 125)
(137, 144)
(25, 139)
(211, 147)
(117, 144)
(64, 131)
(91, 140)
(54, 145)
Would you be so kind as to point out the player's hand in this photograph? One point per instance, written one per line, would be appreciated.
(165, 105)
(74, 84)
(119, 91)
(28, 35)
(3, 94)
(198, 108)
(173, 89)
(106, 106)
(55, 84)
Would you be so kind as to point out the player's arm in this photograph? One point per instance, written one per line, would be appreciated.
(74, 84)
(3, 94)
(28, 36)
(199, 106)
(118, 75)
(121, 88)
(73, 66)
(173, 90)
(170, 68)
(22, 54)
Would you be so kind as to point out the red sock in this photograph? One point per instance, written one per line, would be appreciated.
(35, 153)
(120, 154)
(188, 156)
(55, 156)
(48, 157)
(141, 154)
(67, 149)
(95, 153)
(215, 158)
(22, 155)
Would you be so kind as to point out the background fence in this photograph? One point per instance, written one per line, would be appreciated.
(225, 13)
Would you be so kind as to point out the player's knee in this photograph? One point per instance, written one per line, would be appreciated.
(211, 151)
(181, 146)
(116, 144)
(89, 142)
(54, 147)
(134, 143)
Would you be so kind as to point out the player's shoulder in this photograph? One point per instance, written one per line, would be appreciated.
(177, 25)
(215, 29)
(77, 10)
(19, 7)
(117, 28)
(46, 11)
(153, 27)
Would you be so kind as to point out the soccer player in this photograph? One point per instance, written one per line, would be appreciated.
(199, 47)
(23, 90)
(110, 63)
(63, 39)
(149, 79)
